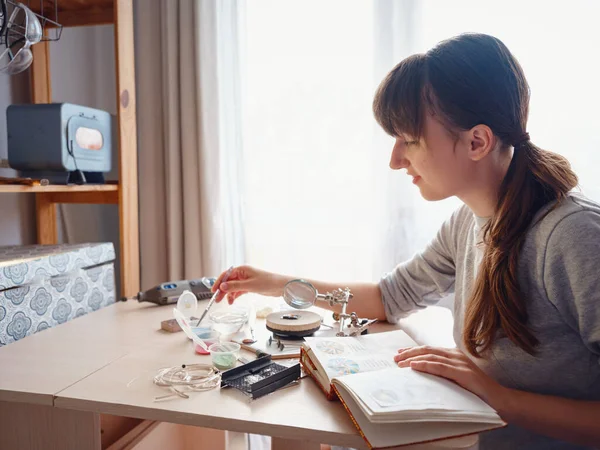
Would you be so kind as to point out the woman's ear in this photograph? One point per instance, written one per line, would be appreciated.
(481, 142)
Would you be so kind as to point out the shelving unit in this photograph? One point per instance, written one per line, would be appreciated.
(125, 193)
(59, 188)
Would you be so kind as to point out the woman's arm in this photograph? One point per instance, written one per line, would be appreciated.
(575, 421)
(419, 282)
(366, 300)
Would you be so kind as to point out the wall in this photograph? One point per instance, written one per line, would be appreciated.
(17, 211)
(82, 67)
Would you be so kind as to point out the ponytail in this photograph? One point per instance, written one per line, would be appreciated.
(535, 177)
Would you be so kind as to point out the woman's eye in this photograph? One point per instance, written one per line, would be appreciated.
(406, 142)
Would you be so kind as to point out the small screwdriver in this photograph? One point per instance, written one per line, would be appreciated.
(215, 295)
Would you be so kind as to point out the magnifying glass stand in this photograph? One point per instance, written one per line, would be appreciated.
(301, 294)
(342, 297)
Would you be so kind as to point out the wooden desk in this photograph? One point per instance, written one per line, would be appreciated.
(104, 362)
(37, 368)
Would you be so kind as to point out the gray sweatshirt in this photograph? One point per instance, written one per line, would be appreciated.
(558, 274)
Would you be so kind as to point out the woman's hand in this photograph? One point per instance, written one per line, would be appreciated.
(453, 365)
(569, 420)
(244, 279)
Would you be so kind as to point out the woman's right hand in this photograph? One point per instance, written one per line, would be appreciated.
(244, 279)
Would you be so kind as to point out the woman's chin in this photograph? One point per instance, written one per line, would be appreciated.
(431, 196)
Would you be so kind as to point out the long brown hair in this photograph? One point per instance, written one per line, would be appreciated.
(468, 80)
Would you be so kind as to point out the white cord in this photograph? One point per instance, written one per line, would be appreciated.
(190, 377)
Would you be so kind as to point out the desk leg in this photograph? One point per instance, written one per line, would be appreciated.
(293, 444)
(34, 427)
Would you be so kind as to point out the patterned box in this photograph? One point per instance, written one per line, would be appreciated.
(42, 286)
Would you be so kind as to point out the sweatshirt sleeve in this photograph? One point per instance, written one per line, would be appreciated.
(571, 276)
(424, 279)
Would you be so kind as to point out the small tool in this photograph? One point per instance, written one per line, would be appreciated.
(251, 322)
(215, 295)
(300, 294)
(259, 353)
(168, 293)
(281, 345)
(250, 340)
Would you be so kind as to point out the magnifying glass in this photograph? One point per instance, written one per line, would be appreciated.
(300, 294)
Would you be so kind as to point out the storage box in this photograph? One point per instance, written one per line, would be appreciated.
(42, 286)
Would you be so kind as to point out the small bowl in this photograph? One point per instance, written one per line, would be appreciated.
(224, 355)
(209, 337)
(229, 320)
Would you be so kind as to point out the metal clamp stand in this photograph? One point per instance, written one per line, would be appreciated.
(342, 297)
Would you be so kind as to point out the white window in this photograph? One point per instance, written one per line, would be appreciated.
(319, 198)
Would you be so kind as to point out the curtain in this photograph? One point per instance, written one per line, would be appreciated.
(187, 73)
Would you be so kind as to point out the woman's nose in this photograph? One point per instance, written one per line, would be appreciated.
(398, 159)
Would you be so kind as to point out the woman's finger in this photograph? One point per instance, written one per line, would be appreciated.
(423, 350)
(232, 297)
(440, 369)
(220, 296)
(236, 286)
(237, 273)
(217, 282)
(223, 290)
(432, 358)
(238, 294)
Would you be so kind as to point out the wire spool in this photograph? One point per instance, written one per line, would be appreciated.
(191, 377)
(293, 323)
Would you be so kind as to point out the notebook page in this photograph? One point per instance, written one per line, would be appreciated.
(405, 394)
(349, 355)
(395, 434)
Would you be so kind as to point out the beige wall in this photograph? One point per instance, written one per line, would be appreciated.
(17, 212)
(82, 72)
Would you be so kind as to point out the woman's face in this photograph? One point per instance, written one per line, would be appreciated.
(438, 163)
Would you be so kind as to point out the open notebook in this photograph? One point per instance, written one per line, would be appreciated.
(392, 406)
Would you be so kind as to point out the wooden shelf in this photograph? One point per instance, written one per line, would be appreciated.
(4, 188)
(50, 195)
(74, 13)
(125, 195)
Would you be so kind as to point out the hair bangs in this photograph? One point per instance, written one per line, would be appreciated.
(398, 105)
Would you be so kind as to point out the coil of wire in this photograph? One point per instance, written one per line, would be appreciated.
(187, 378)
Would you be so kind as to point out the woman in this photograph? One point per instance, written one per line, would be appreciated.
(520, 255)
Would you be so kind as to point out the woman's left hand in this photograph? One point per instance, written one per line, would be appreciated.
(453, 365)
